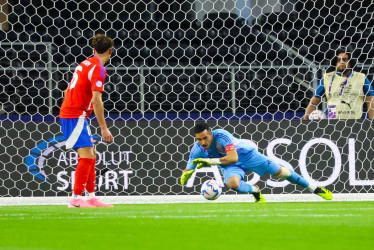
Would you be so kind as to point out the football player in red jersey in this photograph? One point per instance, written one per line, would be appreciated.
(83, 95)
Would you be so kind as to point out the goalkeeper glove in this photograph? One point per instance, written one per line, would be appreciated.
(206, 162)
(186, 175)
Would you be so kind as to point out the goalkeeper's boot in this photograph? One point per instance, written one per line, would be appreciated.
(79, 203)
(323, 192)
(258, 197)
(96, 203)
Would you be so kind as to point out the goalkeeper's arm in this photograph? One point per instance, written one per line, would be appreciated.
(230, 158)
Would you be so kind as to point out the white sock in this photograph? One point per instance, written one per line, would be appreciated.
(255, 189)
(311, 188)
(75, 196)
(91, 195)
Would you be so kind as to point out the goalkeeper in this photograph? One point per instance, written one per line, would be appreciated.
(234, 157)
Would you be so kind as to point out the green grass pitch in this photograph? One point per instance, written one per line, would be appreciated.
(323, 225)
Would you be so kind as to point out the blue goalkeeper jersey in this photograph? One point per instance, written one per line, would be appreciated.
(221, 139)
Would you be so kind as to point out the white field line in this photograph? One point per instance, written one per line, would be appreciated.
(181, 214)
(170, 199)
(184, 216)
(187, 211)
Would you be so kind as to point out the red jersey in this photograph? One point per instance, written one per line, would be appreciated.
(88, 76)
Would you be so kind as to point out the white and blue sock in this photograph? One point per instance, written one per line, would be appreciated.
(76, 196)
(246, 188)
(297, 179)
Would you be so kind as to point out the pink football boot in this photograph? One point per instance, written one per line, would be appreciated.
(96, 203)
(79, 203)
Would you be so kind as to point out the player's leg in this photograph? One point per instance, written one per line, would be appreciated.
(261, 164)
(293, 177)
(235, 183)
(241, 186)
(82, 171)
(86, 163)
(91, 181)
(77, 136)
(234, 179)
(91, 184)
(290, 175)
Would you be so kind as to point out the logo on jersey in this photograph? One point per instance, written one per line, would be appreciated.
(230, 147)
(99, 84)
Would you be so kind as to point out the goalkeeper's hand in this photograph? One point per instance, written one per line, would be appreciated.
(186, 175)
(201, 163)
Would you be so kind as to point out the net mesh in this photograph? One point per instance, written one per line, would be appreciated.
(247, 66)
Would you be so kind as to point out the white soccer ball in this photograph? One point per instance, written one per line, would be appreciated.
(317, 115)
(211, 190)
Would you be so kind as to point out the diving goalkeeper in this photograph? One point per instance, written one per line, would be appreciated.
(234, 157)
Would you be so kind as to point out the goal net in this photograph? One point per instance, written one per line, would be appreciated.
(250, 67)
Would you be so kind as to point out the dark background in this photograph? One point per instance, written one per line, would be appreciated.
(177, 55)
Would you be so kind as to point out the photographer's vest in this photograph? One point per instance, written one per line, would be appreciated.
(345, 95)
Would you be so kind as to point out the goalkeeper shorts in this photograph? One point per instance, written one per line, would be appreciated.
(77, 132)
(258, 163)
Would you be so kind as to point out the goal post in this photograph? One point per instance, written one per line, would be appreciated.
(252, 73)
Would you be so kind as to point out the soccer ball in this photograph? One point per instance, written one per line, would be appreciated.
(317, 115)
(211, 190)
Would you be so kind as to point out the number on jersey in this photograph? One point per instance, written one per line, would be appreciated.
(75, 77)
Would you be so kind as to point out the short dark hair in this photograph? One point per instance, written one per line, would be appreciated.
(102, 43)
(200, 127)
(352, 62)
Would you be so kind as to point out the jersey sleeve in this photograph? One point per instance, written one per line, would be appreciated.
(194, 154)
(368, 88)
(98, 78)
(320, 91)
(226, 140)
